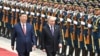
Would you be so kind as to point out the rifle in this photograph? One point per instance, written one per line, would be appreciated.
(12, 18)
(68, 25)
(55, 10)
(17, 14)
(81, 32)
(42, 19)
(49, 12)
(82, 29)
(74, 28)
(7, 12)
(89, 32)
(32, 18)
(1, 11)
(4, 12)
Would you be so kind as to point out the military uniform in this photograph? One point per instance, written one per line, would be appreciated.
(96, 34)
(1, 16)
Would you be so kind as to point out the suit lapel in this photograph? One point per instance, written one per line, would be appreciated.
(48, 28)
(54, 30)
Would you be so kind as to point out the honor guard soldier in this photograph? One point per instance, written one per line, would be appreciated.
(50, 5)
(76, 28)
(38, 23)
(68, 31)
(1, 16)
(17, 12)
(3, 19)
(27, 9)
(89, 39)
(83, 30)
(55, 11)
(9, 15)
(96, 33)
(7, 8)
(64, 20)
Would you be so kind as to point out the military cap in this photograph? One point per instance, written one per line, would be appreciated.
(44, 0)
(90, 1)
(61, 2)
(75, 4)
(68, 3)
(97, 7)
(90, 5)
(95, 1)
(82, 5)
(56, 2)
(50, 1)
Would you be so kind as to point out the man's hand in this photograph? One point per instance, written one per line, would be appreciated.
(34, 47)
(43, 50)
(12, 47)
(60, 45)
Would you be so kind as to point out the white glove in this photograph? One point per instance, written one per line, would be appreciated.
(61, 19)
(13, 9)
(37, 14)
(89, 25)
(82, 23)
(49, 9)
(75, 22)
(42, 15)
(32, 13)
(22, 11)
(53, 10)
(17, 10)
(0, 6)
(27, 12)
(48, 16)
(8, 8)
(37, 7)
(69, 20)
(42, 8)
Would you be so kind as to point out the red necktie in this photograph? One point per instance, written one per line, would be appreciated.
(24, 29)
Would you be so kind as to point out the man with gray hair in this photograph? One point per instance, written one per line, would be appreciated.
(51, 39)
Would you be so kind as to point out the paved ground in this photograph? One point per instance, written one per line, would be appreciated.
(5, 43)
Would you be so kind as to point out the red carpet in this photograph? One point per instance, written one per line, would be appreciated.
(4, 52)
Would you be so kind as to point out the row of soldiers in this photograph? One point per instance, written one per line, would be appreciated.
(80, 24)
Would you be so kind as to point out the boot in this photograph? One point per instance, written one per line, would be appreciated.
(77, 51)
(92, 54)
(84, 52)
(71, 50)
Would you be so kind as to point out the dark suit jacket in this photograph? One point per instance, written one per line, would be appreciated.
(49, 42)
(23, 42)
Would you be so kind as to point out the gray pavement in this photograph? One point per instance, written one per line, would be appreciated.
(5, 43)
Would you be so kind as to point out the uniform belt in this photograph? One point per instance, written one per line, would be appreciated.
(78, 26)
(85, 28)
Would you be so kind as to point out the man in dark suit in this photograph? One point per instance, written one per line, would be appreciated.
(24, 35)
(51, 39)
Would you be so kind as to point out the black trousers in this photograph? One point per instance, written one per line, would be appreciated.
(51, 53)
(23, 53)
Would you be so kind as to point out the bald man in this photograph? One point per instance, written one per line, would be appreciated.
(51, 39)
